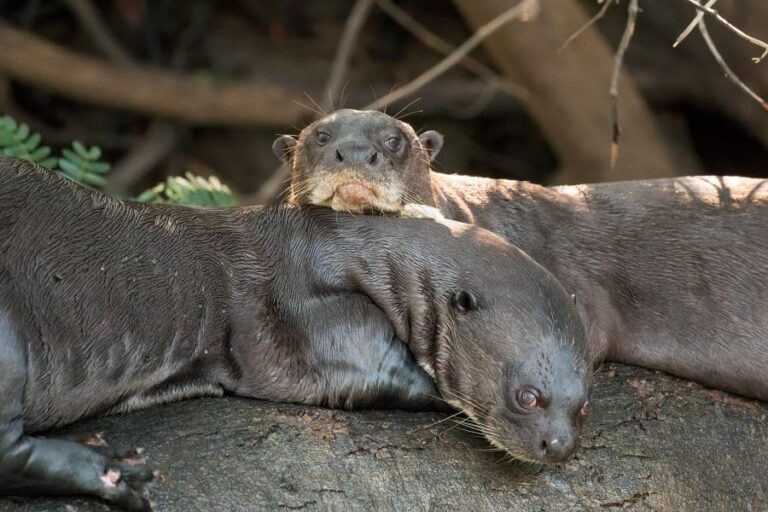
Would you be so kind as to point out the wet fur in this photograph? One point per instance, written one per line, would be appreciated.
(110, 306)
(669, 274)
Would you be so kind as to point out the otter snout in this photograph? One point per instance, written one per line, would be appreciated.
(557, 449)
(358, 154)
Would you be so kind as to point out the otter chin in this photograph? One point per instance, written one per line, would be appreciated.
(349, 191)
(353, 197)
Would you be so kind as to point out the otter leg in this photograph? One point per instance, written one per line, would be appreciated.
(40, 466)
(364, 363)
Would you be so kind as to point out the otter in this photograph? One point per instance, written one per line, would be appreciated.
(109, 306)
(356, 175)
(670, 274)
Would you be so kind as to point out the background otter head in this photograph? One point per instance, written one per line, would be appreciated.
(513, 354)
(353, 160)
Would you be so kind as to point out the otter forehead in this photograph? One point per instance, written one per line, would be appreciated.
(359, 122)
(561, 374)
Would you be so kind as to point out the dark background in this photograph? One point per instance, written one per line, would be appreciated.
(701, 122)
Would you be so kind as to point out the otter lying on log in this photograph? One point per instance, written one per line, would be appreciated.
(108, 306)
(669, 274)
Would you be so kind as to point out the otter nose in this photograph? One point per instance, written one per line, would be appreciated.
(361, 153)
(558, 449)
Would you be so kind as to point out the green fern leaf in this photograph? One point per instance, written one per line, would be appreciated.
(190, 190)
(83, 165)
(19, 141)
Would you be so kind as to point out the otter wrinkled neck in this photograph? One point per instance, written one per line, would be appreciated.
(404, 266)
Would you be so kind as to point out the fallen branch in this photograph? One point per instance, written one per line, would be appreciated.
(626, 38)
(35, 61)
(726, 69)
(440, 45)
(738, 32)
(692, 25)
(451, 60)
(698, 20)
(594, 19)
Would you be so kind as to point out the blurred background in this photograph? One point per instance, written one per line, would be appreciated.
(169, 86)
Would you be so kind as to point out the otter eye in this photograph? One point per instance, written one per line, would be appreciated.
(323, 137)
(464, 301)
(393, 143)
(527, 398)
(585, 408)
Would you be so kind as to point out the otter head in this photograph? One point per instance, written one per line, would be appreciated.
(354, 160)
(510, 351)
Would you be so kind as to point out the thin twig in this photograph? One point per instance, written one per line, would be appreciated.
(452, 59)
(726, 69)
(626, 38)
(440, 45)
(594, 19)
(747, 37)
(692, 24)
(102, 38)
(349, 36)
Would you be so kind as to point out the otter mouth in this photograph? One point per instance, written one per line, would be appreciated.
(355, 193)
(358, 196)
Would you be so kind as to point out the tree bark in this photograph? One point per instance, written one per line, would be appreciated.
(569, 93)
(652, 443)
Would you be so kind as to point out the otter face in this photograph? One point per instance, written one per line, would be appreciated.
(354, 160)
(512, 354)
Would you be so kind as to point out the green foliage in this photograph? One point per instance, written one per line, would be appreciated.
(19, 141)
(83, 165)
(190, 190)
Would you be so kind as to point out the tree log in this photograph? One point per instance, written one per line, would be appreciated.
(569, 94)
(157, 93)
(37, 62)
(653, 442)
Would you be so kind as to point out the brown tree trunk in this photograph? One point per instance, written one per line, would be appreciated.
(652, 443)
(569, 93)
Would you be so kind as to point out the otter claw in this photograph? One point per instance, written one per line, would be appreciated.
(134, 457)
(111, 477)
(98, 439)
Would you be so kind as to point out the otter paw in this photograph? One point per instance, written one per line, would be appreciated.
(126, 483)
(420, 211)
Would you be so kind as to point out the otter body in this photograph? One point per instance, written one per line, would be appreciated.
(111, 306)
(669, 274)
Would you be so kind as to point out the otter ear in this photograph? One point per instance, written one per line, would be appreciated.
(282, 147)
(432, 141)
